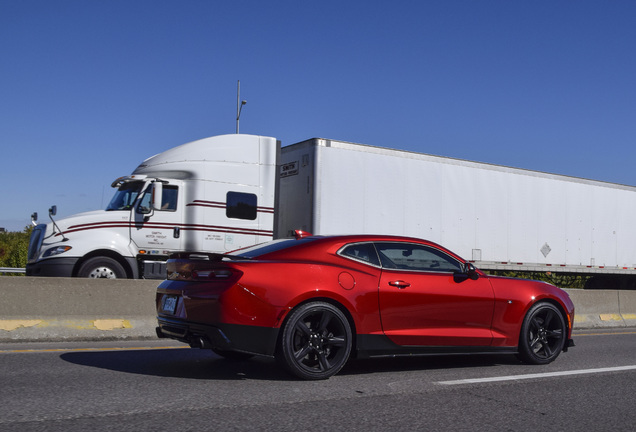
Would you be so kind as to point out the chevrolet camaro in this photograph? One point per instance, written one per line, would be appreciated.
(312, 302)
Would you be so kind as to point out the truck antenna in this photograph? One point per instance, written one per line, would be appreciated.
(239, 104)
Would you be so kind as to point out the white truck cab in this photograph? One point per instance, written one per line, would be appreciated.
(212, 195)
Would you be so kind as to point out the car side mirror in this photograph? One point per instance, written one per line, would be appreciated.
(468, 272)
(471, 271)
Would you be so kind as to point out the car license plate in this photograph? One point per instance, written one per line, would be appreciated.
(169, 304)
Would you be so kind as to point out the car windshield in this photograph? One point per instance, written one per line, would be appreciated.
(125, 196)
(269, 247)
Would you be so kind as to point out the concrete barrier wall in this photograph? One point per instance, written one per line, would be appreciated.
(54, 309)
(43, 309)
(603, 308)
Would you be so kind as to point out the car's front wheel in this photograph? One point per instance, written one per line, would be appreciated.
(315, 342)
(543, 334)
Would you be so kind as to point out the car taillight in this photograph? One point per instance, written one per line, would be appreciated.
(198, 271)
(218, 274)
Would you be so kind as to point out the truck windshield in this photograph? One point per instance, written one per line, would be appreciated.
(125, 196)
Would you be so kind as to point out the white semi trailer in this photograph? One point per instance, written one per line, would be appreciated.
(499, 217)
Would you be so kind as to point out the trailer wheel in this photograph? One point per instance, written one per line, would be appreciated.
(102, 268)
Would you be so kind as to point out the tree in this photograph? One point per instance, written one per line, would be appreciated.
(14, 247)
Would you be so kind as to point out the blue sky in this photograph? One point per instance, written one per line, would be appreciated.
(89, 89)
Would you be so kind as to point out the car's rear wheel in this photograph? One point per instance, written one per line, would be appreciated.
(102, 267)
(315, 342)
(543, 334)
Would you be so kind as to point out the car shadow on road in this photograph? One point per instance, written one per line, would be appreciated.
(179, 363)
(205, 365)
(422, 363)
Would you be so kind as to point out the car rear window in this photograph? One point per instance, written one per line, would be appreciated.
(269, 247)
(364, 252)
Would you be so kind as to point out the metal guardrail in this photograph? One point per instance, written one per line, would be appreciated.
(4, 270)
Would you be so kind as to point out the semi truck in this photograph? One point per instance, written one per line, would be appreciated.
(216, 194)
(222, 193)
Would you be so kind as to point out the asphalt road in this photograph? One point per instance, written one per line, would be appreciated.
(156, 385)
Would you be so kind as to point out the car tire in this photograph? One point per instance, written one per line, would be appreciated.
(543, 334)
(315, 342)
(102, 268)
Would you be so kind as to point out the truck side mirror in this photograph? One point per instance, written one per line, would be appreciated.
(53, 211)
(157, 195)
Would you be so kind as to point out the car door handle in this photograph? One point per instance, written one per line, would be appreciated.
(400, 284)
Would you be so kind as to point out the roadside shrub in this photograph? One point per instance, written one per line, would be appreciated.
(562, 280)
(14, 247)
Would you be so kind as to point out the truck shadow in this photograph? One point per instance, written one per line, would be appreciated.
(205, 365)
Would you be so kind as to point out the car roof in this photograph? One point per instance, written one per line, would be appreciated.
(332, 243)
(352, 238)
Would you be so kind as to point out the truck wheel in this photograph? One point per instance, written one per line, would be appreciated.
(102, 267)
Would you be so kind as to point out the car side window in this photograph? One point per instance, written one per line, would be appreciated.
(410, 256)
(364, 252)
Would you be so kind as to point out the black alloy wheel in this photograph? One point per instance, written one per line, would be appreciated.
(315, 342)
(543, 334)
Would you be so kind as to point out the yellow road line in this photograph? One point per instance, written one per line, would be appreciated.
(603, 334)
(43, 350)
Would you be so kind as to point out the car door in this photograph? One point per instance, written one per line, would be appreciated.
(424, 301)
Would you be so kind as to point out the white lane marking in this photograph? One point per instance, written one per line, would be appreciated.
(537, 375)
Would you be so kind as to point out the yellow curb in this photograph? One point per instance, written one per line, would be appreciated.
(10, 325)
(611, 317)
(629, 316)
(99, 324)
(111, 324)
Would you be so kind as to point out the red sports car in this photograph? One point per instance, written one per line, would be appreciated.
(314, 301)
